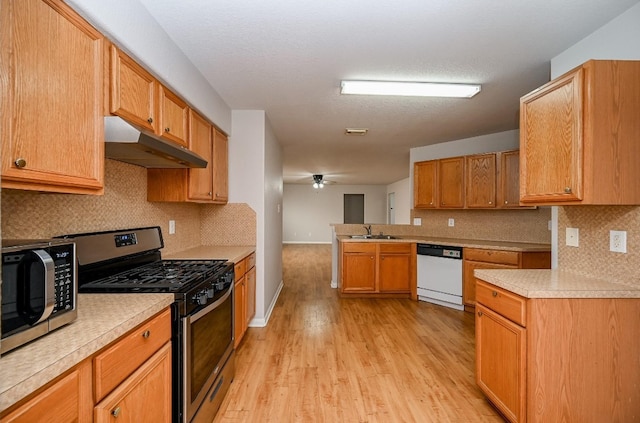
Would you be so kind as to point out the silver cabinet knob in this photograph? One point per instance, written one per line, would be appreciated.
(146, 334)
(567, 190)
(167, 129)
(494, 293)
(150, 120)
(20, 162)
(116, 412)
(479, 314)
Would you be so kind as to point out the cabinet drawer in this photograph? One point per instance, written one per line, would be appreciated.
(240, 268)
(396, 247)
(506, 303)
(116, 363)
(359, 247)
(492, 256)
(251, 261)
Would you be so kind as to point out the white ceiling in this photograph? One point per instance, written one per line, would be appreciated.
(287, 57)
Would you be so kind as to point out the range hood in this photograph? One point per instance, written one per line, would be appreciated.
(126, 143)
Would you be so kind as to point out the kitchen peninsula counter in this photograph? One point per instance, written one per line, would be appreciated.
(545, 283)
(458, 242)
(102, 318)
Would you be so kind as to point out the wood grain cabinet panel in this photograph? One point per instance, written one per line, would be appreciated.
(67, 399)
(425, 184)
(451, 178)
(134, 92)
(51, 94)
(143, 397)
(578, 137)
(201, 142)
(481, 181)
(220, 167)
(544, 360)
(174, 117)
(378, 269)
(244, 296)
(509, 180)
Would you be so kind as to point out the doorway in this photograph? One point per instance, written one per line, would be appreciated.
(354, 208)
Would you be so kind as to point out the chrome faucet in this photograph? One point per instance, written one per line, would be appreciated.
(368, 228)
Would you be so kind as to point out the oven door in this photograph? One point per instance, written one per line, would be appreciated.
(208, 343)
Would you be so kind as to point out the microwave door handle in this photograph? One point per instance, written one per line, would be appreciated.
(49, 284)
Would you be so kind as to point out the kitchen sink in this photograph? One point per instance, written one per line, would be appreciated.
(373, 237)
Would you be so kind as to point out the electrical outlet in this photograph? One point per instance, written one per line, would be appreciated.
(172, 227)
(417, 221)
(618, 241)
(451, 222)
(572, 237)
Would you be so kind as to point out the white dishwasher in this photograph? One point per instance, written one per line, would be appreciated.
(439, 275)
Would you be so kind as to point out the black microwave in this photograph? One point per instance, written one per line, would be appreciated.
(39, 289)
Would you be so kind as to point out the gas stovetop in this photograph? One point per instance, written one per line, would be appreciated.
(159, 276)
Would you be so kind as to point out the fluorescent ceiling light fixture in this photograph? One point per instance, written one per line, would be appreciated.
(415, 89)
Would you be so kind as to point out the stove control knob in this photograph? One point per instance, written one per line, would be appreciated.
(200, 298)
(210, 292)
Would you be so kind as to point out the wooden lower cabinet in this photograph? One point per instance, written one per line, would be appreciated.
(129, 380)
(377, 268)
(143, 397)
(67, 399)
(244, 296)
(477, 258)
(544, 360)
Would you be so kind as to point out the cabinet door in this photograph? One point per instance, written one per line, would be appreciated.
(551, 142)
(200, 180)
(359, 272)
(174, 117)
(451, 182)
(133, 92)
(481, 181)
(251, 294)
(509, 179)
(425, 184)
(143, 397)
(394, 272)
(469, 281)
(66, 400)
(220, 167)
(51, 99)
(240, 313)
(501, 362)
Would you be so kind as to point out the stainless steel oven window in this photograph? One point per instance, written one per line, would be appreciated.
(208, 342)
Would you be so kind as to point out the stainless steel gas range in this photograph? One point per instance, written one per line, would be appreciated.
(129, 261)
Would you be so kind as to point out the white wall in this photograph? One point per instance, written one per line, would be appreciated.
(500, 141)
(619, 39)
(130, 26)
(308, 212)
(402, 191)
(255, 178)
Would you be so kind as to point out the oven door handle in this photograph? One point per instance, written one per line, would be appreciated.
(196, 316)
(49, 288)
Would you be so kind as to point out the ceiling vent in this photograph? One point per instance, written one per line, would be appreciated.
(356, 131)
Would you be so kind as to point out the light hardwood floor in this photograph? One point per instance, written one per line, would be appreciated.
(326, 359)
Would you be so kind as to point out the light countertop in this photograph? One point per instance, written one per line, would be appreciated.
(458, 242)
(102, 318)
(546, 283)
(211, 252)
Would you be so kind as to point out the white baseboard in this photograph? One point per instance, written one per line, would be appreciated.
(262, 322)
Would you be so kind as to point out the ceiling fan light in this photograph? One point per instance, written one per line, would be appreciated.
(413, 89)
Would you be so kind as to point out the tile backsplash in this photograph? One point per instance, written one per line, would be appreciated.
(29, 214)
(592, 256)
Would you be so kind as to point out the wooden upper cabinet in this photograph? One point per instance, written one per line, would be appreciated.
(509, 180)
(425, 184)
(201, 143)
(133, 92)
(51, 98)
(579, 137)
(481, 181)
(220, 167)
(451, 182)
(174, 117)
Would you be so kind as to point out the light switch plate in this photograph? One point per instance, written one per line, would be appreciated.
(417, 221)
(451, 222)
(572, 237)
(172, 227)
(618, 241)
